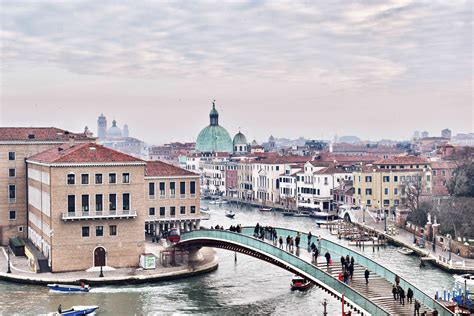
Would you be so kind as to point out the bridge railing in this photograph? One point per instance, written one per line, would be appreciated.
(289, 259)
(339, 250)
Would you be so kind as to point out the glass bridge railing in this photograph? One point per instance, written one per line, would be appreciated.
(339, 250)
(290, 260)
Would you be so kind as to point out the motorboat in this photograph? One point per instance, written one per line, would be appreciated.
(230, 214)
(83, 288)
(266, 209)
(323, 215)
(76, 310)
(460, 279)
(218, 202)
(300, 284)
(301, 214)
(405, 251)
(289, 213)
(204, 209)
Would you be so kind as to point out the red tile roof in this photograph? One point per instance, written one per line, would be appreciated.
(39, 134)
(161, 169)
(443, 164)
(347, 159)
(274, 160)
(402, 160)
(82, 153)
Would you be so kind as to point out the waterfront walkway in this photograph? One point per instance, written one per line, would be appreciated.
(376, 295)
(22, 274)
(405, 238)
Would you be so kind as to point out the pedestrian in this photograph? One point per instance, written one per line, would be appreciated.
(309, 238)
(366, 274)
(281, 242)
(297, 240)
(313, 246)
(256, 230)
(347, 260)
(291, 244)
(409, 296)
(288, 243)
(397, 280)
(435, 312)
(351, 270)
(402, 296)
(417, 308)
(340, 277)
(394, 292)
(315, 255)
(352, 261)
(342, 262)
(328, 258)
(346, 277)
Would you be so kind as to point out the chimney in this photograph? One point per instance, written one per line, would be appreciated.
(71, 141)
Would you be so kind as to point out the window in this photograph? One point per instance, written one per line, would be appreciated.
(99, 204)
(386, 178)
(84, 179)
(151, 211)
(386, 202)
(113, 230)
(368, 178)
(162, 190)
(85, 231)
(434, 173)
(12, 193)
(126, 201)
(402, 179)
(126, 177)
(396, 202)
(368, 191)
(325, 180)
(85, 203)
(112, 178)
(193, 209)
(151, 189)
(99, 231)
(395, 191)
(182, 210)
(71, 178)
(385, 191)
(71, 203)
(12, 215)
(172, 189)
(395, 178)
(358, 191)
(182, 189)
(112, 202)
(369, 202)
(162, 211)
(428, 178)
(11, 155)
(98, 178)
(172, 211)
(12, 173)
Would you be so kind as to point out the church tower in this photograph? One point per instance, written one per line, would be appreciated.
(102, 127)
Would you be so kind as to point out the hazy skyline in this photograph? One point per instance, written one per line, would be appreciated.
(370, 69)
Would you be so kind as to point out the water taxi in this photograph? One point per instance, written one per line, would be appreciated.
(76, 311)
(266, 209)
(83, 288)
(405, 251)
(300, 284)
(229, 214)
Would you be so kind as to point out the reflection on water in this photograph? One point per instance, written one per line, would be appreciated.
(249, 286)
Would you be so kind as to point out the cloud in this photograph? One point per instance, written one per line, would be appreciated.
(338, 44)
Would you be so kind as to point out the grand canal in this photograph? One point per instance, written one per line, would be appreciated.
(247, 286)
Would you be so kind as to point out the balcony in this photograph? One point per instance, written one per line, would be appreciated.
(72, 216)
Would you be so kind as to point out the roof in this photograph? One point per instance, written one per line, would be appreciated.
(345, 158)
(442, 164)
(282, 159)
(162, 169)
(214, 138)
(402, 160)
(82, 153)
(35, 134)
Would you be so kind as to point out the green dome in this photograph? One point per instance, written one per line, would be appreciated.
(214, 138)
(240, 139)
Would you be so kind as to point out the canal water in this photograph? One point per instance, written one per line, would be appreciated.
(248, 286)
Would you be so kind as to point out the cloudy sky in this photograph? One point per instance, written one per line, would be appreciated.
(289, 68)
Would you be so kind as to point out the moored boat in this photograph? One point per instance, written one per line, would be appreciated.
(204, 209)
(289, 213)
(266, 209)
(76, 310)
(300, 284)
(405, 250)
(83, 288)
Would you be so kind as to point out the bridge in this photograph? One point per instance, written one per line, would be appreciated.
(374, 299)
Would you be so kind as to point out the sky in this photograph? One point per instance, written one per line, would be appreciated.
(316, 69)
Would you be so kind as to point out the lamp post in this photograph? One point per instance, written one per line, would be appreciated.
(8, 255)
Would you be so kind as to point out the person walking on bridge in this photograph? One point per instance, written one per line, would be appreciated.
(328, 258)
(297, 240)
(281, 242)
(402, 296)
(395, 292)
(288, 243)
(367, 274)
(409, 296)
(309, 238)
(417, 308)
(343, 262)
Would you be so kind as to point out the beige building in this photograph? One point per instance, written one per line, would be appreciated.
(86, 207)
(384, 184)
(17, 144)
(172, 199)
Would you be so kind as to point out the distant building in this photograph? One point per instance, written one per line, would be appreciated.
(446, 133)
(102, 127)
(214, 138)
(425, 134)
(126, 133)
(240, 144)
(349, 139)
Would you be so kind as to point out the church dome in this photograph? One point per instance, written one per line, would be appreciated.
(239, 139)
(214, 138)
(114, 131)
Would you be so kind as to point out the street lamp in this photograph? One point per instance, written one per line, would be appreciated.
(8, 254)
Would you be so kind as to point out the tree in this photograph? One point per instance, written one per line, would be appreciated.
(456, 215)
(462, 182)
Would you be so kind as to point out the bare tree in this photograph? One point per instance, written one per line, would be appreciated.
(413, 191)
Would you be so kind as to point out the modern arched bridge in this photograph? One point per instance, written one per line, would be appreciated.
(374, 299)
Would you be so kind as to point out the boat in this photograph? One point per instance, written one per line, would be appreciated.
(301, 214)
(323, 215)
(219, 202)
(69, 288)
(229, 214)
(467, 278)
(300, 284)
(76, 311)
(289, 213)
(405, 251)
(266, 209)
(204, 209)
